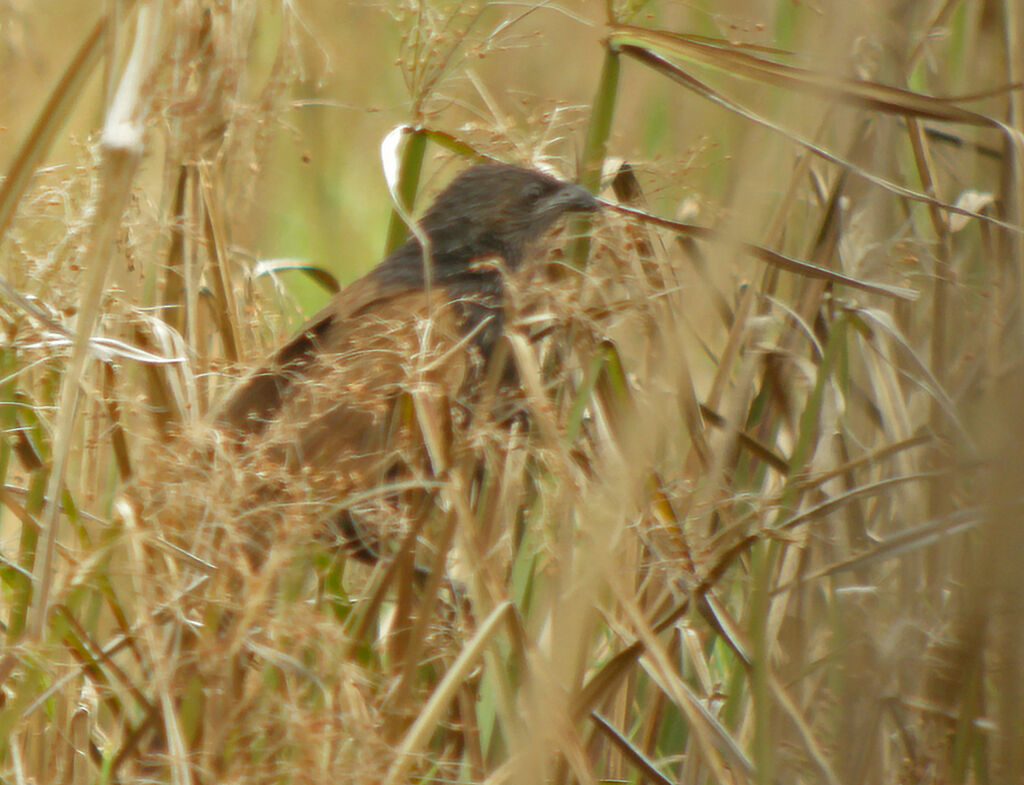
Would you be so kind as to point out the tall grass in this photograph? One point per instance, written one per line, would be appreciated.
(762, 521)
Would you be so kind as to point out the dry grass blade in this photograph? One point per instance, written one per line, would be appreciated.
(733, 499)
(721, 55)
(761, 451)
(49, 122)
(117, 436)
(774, 258)
(909, 541)
(716, 744)
(273, 267)
(671, 70)
(406, 184)
(635, 756)
(224, 303)
(837, 501)
(927, 374)
(817, 752)
(122, 145)
(454, 143)
(445, 691)
(166, 407)
(172, 293)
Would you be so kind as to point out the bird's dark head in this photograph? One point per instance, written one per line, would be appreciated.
(496, 210)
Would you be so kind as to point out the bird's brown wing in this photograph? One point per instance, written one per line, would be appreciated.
(254, 403)
(326, 407)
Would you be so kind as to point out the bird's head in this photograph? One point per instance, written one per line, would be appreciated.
(497, 210)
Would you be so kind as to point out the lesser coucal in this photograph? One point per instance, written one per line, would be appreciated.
(419, 327)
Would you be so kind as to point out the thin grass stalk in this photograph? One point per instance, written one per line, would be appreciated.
(775, 381)
(673, 72)
(722, 55)
(409, 173)
(641, 762)
(118, 439)
(163, 406)
(965, 739)
(713, 744)
(1013, 171)
(601, 117)
(121, 143)
(50, 120)
(772, 257)
(28, 544)
(776, 230)
(193, 268)
(766, 558)
(428, 718)
(172, 293)
(595, 147)
(762, 567)
(17, 578)
(1003, 533)
(888, 401)
(216, 249)
(1002, 584)
(938, 496)
(427, 602)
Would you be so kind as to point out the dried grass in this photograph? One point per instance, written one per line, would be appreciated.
(760, 521)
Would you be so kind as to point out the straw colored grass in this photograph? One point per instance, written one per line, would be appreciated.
(757, 519)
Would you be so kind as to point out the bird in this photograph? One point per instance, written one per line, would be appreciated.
(326, 412)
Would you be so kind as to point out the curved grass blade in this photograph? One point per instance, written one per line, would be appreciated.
(409, 171)
(319, 275)
(50, 120)
(783, 262)
(672, 71)
(723, 56)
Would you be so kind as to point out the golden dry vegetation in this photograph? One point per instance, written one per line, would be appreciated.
(762, 521)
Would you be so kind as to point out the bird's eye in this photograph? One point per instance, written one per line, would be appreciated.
(532, 193)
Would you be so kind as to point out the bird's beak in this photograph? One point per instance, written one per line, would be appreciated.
(571, 198)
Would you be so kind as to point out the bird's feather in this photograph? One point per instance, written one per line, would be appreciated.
(327, 406)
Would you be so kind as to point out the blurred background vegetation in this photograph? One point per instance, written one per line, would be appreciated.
(794, 551)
